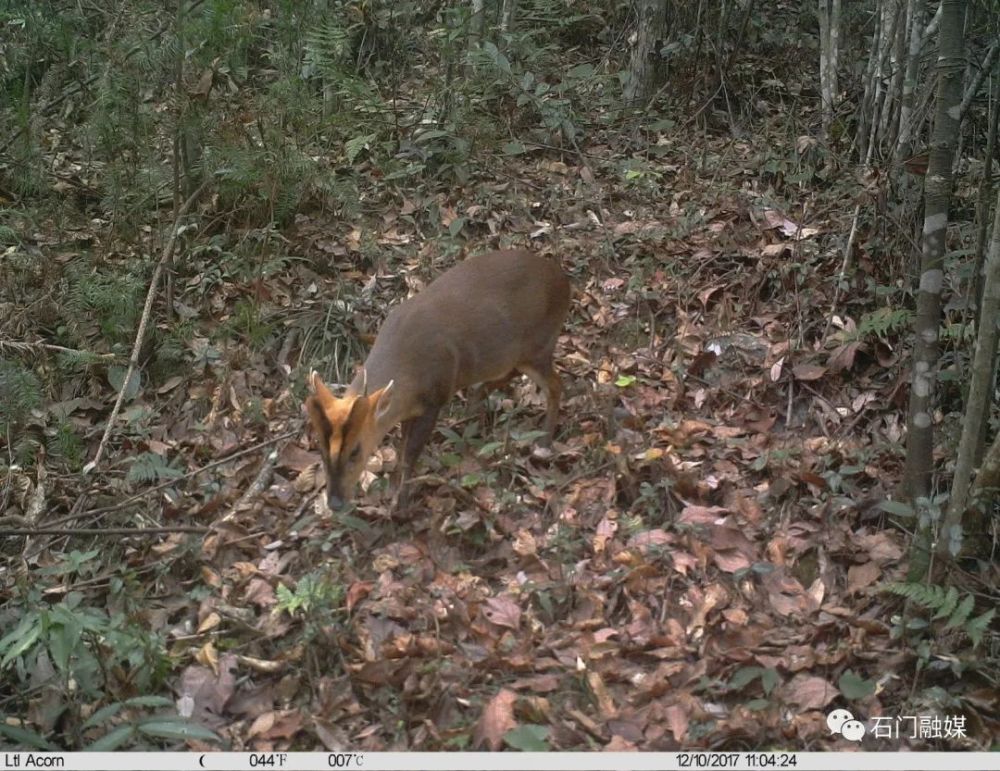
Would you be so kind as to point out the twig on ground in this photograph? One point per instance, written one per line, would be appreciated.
(843, 269)
(258, 486)
(103, 530)
(23, 347)
(171, 482)
(133, 361)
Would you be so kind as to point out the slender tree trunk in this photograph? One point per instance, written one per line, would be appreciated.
(891, 23)
(977, 80)
(476, 22)
(988, 478)
(644, 67)
(829, 60)
(937, 194)
(983, 216)
(977, 405)
(868, 100)
(508, 16)
(897, 68)
(877, 76)
(835, 16)
(915, 17)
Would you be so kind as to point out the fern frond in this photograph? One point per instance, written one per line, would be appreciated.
(978, 626)
(946, 602)
(150, 467)
(327, 48)
(948, 606)
(962, 612)
(20, 389)
(930, 597)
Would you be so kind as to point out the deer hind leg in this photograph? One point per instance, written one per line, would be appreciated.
(480, 394)
(545, 377)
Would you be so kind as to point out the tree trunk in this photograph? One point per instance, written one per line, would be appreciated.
(645, 69)
(476, 22)
(937, 194)
(977, 80)
(977, 407)
(915, 16)
(978, 274)
(829, 54)
(835, 15)
(508, 16)
(890, 22)
(868, 100)
(988, 478)
(897, 67)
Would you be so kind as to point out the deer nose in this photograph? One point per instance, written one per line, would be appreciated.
(334, 501)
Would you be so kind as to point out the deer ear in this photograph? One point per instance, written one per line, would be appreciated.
(318, 421)
(383, 401)
(358, 413)
(320, 391)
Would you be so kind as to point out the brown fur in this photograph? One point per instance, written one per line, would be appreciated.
(483, 321)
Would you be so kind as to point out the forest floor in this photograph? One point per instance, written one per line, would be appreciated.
(700, 562)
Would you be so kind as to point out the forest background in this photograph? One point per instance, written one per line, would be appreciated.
(773, 490)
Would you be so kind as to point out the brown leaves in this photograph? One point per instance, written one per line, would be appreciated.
(497, 719)
(809, 692)
(204, 691)
(701, 536)
(503, 611)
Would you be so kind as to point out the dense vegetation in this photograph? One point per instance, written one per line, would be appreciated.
(200, 201)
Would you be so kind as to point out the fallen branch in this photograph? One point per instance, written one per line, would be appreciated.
(22, 347)
(171, 482)
(104, 530)
(843, 270)
(133, 361)
(258, 486)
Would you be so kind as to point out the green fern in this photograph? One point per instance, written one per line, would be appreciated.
(313, 593)
(150, 467)
(20, 392)
(8, 236)
(327, 50)
(275, 184)
(946, 602)
(113, 299)
(884, 321)
(76, 361)
(977, 627)
(66, 445)
(24, 449)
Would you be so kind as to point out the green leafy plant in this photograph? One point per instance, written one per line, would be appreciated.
(81, 654)
(885, 322)
(247, 322)
(314, 594)
(945, 603)
(20, 392)
(150, 467)
(742, 677)
(133, 726)
(111, 299)
(528, 738)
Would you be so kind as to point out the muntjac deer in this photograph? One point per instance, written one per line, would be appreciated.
(483, 321)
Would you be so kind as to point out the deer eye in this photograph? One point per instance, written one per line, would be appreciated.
(355, 453)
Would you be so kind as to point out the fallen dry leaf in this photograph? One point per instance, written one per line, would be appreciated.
(503, 611)
(809, 692)
(862, 576)
(497, 719)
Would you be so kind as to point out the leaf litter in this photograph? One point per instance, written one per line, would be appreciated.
(696, 564)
